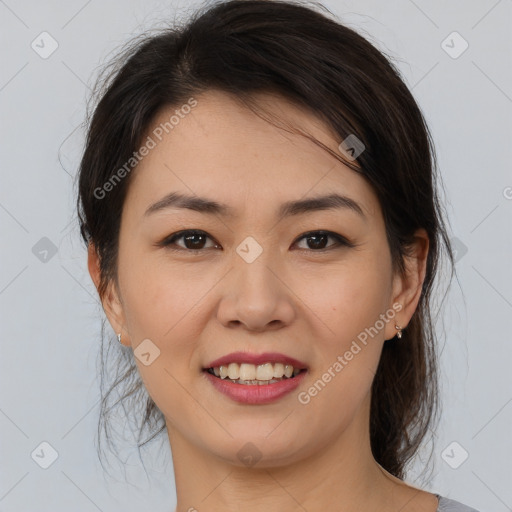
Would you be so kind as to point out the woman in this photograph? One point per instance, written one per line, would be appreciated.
(258, 197)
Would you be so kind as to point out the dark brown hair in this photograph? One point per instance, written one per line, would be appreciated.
(246, 47)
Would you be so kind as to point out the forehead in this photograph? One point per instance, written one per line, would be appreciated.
(223, 150)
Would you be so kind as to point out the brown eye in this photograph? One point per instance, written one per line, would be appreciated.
(193, 240)
(196, 241)
(317, 240)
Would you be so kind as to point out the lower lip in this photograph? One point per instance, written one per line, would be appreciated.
(255, 394)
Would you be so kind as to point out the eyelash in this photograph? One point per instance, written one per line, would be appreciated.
(170, 240)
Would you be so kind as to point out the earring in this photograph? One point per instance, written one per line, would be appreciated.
(399, 329)
(119, 337)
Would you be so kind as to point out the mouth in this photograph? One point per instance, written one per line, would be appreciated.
(255, 378)
(255, 375)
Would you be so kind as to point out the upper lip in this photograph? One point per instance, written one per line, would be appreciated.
(256, 359)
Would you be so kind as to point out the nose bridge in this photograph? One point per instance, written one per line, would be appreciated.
(256, 296)
(253, 275)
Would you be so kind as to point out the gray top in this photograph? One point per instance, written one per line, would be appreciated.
(447, 505)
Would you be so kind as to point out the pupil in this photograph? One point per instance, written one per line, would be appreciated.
(194, 246)
(316, 245)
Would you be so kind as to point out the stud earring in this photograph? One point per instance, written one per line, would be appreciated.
(119, 337)
(399, 333)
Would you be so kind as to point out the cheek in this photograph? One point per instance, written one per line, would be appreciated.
(349, 300)
(349, 304)
(348, 353)
(161, 304)
(158, 297)
(166, 304)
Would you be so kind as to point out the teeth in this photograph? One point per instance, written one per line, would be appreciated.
(256, 382)
(278, 370)
(233, 371)
(264, 371)
(251, 374)
(223, 372)
(247, 371)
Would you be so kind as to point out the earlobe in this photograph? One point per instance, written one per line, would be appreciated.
(93, 264)
(110, 300)
(113, 308)
(408, 287)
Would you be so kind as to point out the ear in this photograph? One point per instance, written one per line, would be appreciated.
(407, 288)
(112, 305)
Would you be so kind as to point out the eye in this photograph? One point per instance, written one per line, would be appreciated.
(194, 240)
(317, 240)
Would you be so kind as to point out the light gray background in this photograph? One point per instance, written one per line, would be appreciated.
(50, 317)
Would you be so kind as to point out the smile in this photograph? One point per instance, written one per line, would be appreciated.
(255, 375)
(255, 391)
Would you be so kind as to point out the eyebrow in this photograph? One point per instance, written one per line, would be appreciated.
(287, 209)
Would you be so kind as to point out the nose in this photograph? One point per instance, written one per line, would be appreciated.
(256, 296)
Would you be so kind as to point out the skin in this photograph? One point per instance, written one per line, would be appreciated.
(294, 299)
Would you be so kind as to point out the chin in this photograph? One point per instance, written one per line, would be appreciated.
(254, 449)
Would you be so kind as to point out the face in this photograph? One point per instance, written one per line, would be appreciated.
(312, 285)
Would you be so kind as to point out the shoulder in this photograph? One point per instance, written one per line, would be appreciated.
(447, 505)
